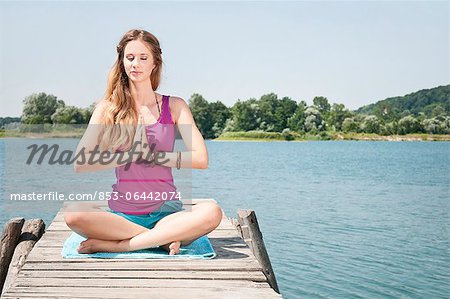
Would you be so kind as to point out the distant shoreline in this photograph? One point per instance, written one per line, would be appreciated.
(333, 136)
(348, 136)
(43, 135)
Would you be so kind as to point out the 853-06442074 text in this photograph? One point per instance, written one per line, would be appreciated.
(97, 195)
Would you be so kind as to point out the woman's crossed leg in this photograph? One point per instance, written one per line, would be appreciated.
(108, 232)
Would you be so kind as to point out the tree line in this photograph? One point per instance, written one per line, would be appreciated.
(40, 108)
(271, 114)
(266, 114)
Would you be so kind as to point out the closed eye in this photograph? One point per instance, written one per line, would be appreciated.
(131, 58)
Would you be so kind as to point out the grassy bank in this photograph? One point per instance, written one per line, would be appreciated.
(75, 133)
(258, 136)
(376, 137)
(292, 136)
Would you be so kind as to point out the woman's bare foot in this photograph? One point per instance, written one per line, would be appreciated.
(96, 245)
(172, 248)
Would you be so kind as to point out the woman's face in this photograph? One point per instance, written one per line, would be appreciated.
(138, 61)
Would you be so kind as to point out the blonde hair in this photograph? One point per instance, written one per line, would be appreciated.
(121, 115)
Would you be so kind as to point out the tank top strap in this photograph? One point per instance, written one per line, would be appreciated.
(166, 117)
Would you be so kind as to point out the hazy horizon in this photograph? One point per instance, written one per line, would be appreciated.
(354, 53)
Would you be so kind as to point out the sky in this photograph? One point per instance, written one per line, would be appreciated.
(354, 53)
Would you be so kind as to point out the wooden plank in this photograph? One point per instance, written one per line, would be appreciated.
(206, 293)
(67, 277)
(141, 292)
(126, 282)
(225, 249)
(172, 289)
(145, 265)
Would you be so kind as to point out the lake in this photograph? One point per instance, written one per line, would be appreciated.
(340, 219)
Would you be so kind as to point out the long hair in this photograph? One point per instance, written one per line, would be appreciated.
(121, 116)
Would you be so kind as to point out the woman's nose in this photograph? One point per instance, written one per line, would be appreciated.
(135, 62)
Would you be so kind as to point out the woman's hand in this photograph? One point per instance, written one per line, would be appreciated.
(140, 139)
(139, 136)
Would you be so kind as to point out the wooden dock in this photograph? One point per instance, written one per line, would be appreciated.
(234, 273)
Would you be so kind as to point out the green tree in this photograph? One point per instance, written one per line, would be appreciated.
(405, 113)
(285, 108)
(87, 113)
(4, 121)
(324, 107)
(314, 121)
(297, 121)
(39, 108)
(220, 114)
(202, 115)
(322, 104)
(244, 116)
(438, 111)
(229, 126)
(408, 125)
(337, 115)
(68, 115)
(350, 125)
(265, 112)
(371, 124)
(437, 125)
(386, 112)
(390, 128)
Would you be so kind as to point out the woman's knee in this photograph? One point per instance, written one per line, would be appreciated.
(74, 218)
(76, 214)
(213, 215)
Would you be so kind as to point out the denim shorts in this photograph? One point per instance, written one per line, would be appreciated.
(149, 220)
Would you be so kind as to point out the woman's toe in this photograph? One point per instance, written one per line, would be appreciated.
(84, 247)
(174, 248)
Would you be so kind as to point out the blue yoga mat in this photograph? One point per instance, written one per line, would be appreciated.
(199, 249)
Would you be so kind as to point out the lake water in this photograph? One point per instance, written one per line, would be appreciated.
(340, 219)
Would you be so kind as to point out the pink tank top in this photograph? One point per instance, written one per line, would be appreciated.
(138, 189)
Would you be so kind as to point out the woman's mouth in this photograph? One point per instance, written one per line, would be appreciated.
(135, 73)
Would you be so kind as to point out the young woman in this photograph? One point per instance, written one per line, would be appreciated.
(132, 118)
